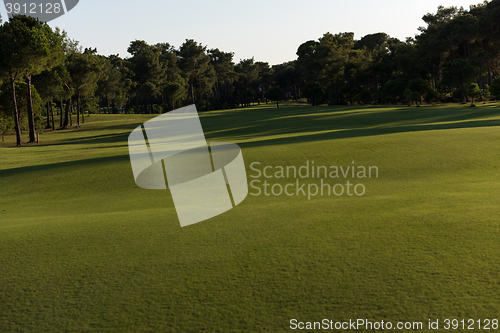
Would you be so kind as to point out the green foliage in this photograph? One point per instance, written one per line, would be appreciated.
(443, 15)
(416, 97)
(248, 73)
(393, 90)
(197, 69)
(91, 104)
(157, 109)
(372, 42)
(28, 47)
(495, 88)
(366, 96)
(326, 62)
(275, 94)
(474, 92)
(459, 74)
(308, 62)
(109, 77)
(459, 95)
(22, 102)
(84, 71)
(38, 122)
(174, 91)
(6, 126)
(486, 91)
(418, 88)
(225, 73)
(119, 101)
(314, 93)
(432, 94)
(146, 70)
(50, 83)
(418, 85)
(408, 96)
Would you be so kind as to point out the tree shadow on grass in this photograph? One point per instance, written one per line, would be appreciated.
(69, 164)
(266, 125)
(329, 123)
(108, 139)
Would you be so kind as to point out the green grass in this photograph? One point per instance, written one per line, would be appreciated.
(83, 249)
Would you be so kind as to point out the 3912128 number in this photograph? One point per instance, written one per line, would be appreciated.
(471, 324)
(33, 8)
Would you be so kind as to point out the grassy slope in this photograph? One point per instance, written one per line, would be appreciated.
(83, 249)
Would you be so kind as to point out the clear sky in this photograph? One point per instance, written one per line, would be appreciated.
(268, 30)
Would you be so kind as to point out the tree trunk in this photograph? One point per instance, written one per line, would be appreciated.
(263, 92)
(70, 112)
(226, 99)
(137, 100)
(217, 94)
(61, 118)
(81, 111)
(31, 116)
(52, 113)
(48, 116)
(16, 113)
(192, 89)
(145, 105)
(78, 110)
(66, 114)
(246, 93)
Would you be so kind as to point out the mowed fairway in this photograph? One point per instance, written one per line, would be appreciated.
(83, 249)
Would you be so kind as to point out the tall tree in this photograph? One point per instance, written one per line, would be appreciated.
(147, 70)
(495, 88)
(275, 94)
(248, 72)
(110, 78)
(42, 58)
(265, 73)
(84, 69)
(474, 92)
(459, 74)
(195, 66)
(286, 76)
(24, 50)
(49, 84)
(225, 75)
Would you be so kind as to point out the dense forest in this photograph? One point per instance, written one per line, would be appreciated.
(47, 81)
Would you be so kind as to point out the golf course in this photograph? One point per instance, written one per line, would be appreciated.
(84, 249)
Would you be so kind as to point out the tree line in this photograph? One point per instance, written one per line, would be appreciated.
(46, 78)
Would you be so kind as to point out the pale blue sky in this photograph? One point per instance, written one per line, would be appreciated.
(268, 30)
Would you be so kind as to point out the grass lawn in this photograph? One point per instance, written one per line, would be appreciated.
(83, 249)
